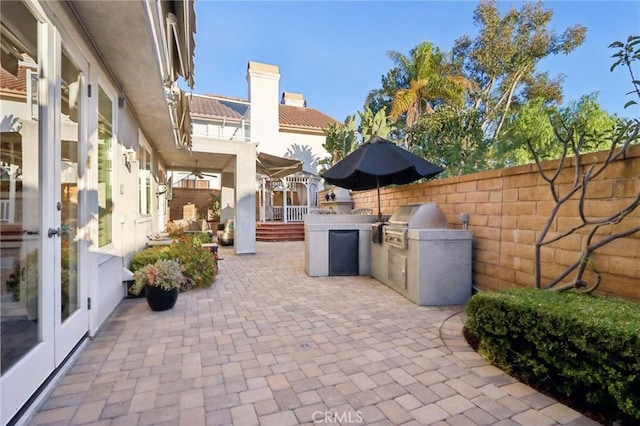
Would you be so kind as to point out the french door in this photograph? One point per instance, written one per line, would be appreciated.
(71, 223)
(43, 308)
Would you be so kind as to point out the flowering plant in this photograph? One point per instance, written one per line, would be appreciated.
(174, 230)
(166, 274)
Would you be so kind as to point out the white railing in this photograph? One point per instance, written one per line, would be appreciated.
(294, 213)
(277, 213)
(4, 211)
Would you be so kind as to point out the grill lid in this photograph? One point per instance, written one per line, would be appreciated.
(427, 215)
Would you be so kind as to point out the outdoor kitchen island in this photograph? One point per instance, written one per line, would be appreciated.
(423, 260)
(337, 244)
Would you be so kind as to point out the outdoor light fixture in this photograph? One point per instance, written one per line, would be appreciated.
(162, 188)
(130, 156)
(464, 218)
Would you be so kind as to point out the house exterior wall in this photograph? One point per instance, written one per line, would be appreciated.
(509, 207)
(263, 84)
(220, 129)
(100, 268)
(305, 147)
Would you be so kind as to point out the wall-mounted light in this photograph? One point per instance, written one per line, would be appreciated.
(130, 156)
(162, 188)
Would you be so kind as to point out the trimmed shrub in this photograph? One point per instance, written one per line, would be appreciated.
(581, 346)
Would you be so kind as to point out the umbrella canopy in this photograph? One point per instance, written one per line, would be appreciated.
(276, 167)
(379, 163)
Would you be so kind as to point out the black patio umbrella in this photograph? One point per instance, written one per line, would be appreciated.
(379, 163)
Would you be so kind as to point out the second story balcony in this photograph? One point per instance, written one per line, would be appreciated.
(220, 118)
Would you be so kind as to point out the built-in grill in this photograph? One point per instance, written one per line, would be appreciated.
(412, 216)
(423, 260)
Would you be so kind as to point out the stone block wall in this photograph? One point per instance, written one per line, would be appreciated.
(508, 208)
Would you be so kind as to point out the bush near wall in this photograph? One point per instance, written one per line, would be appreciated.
(198, 265)
(584, 347)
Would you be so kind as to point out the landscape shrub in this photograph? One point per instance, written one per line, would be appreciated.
(199, 266)
(148, 256)
(583, 347)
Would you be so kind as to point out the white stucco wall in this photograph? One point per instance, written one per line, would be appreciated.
(288, 141)
(263, 85)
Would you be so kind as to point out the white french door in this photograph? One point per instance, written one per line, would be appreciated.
(43, 300)
(70, 220)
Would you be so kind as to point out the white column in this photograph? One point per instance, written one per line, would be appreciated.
(285, 184)
(245, 203)
(263, 207)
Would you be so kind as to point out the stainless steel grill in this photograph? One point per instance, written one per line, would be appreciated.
(412, 216)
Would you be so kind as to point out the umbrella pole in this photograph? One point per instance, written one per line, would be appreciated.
(378, 188)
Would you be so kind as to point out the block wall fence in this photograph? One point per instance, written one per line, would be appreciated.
(200, 198)
(509, 207)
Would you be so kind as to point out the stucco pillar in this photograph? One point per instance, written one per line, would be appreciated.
(245, 200)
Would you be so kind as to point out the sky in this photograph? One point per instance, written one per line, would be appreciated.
(335, 52)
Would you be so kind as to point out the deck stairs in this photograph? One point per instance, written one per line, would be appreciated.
(279, 231)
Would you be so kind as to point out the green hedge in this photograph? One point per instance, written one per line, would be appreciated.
(198, 264)
(581, 346)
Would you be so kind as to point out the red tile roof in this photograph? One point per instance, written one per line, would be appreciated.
(11, 83)
(293, 116)
(227, 108)
(232, 108)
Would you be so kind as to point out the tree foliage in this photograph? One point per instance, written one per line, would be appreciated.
(417, 84)
(340, 140)
(501, 61)
(374, 124)
(535, 122)
(427, 82)
(451, 138)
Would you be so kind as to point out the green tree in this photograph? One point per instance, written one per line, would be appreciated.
(374, 124)
(451, 138)
(536, 123)
(340, 140)
(427, 82)
(501, 60)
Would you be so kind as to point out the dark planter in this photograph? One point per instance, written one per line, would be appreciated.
(159, 299)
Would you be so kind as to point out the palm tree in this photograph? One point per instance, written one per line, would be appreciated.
(429, 82)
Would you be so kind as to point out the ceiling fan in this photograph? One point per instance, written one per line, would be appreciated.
(199, 173)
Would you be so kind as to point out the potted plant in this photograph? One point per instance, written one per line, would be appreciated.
(161, 282)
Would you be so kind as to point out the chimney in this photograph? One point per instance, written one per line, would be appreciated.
(263, 82)
(293, 99)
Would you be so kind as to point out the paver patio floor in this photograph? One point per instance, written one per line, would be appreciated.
(268, 345)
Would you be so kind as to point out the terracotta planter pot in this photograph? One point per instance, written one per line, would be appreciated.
(159, 299)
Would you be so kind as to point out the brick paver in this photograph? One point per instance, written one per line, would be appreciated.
(268, 345)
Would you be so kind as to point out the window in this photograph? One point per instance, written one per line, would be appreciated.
(105, 168)
(144, 175)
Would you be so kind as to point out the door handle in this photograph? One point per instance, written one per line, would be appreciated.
(51, 232)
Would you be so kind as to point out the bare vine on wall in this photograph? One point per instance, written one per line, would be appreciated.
(618, 140)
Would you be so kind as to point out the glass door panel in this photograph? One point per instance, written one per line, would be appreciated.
(71, 310)
(20, 198)
(70, 93)
(26, 296)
